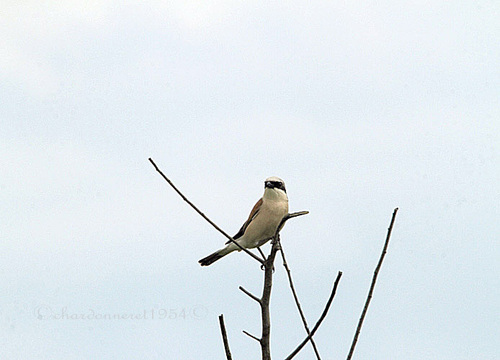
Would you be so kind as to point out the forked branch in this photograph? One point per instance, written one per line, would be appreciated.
(268, 267)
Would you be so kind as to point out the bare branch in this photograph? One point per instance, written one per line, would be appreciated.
(250, 294)
(224, 337)
(250, 335)
(202, 214)
(261, 253)
(288, 217)
(372, 286)
(304, 321)
(320, 320)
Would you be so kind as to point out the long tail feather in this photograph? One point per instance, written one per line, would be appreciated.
(211, 258)
(218, 254)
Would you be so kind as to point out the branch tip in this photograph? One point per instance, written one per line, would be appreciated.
(372, 286)
(202, 214)
(252, 336)
(249, 294)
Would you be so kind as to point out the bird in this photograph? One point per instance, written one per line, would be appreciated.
(262, 222)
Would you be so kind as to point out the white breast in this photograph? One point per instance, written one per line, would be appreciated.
(264, 225)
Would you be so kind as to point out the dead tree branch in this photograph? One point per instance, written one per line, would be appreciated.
(372, 286)
(261, 253)
(202, 214)
(297, 302)
(252, 296)
(224, 337)
(320, 320)
(268, 266)
(252, 336)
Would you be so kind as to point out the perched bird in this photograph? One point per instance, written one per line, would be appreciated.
(262, 223)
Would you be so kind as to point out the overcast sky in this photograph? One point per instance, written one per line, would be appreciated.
(359, 106)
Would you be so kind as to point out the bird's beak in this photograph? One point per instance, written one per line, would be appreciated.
(268, 184)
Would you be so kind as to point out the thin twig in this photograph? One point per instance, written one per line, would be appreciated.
(372, 286)
(261, 253)
(250, 294)
(224, 337)
(252, 336)
(304, 321)
(320, 320)
(202, 214)
(288, 217)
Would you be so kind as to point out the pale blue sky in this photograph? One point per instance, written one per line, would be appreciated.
(360, 107)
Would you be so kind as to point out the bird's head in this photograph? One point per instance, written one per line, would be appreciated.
(274, 187)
